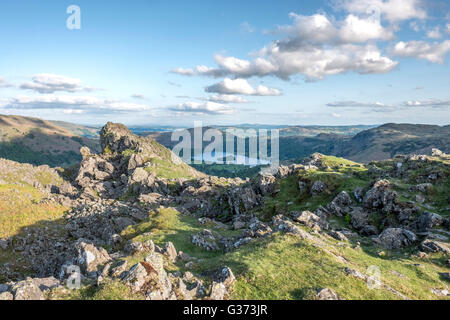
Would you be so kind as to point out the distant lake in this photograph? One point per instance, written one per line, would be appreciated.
(219, 157)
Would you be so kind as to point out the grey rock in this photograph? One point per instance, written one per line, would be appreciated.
(327, 294)
(396, 238)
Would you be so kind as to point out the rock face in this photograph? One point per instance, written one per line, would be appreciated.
(340, 204)
(428, 220)
(396, 238)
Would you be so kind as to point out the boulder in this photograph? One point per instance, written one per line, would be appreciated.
(428, 220)
(396, 238)
(309, 219)
(429, 245)
(380, 197)
(89, 257)
(27, 290)
(317, 188)
(327, 294)
(359, 218)
(136, 277)
(218, 291)
(340, 204)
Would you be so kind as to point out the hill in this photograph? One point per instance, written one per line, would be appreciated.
(139, 224)
(37, 141)
(389, 140)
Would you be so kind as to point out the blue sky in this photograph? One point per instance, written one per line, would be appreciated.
(296, 62)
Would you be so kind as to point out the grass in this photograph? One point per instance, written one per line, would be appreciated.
(20, 207)
(166, 169)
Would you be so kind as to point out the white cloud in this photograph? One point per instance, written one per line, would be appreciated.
(428, 103)
(447, 28)
(138, 96)
(314, 46)
(51, 83)
(356, 104)
(227, 98)
(247, 27)
(336, 115)
(434, 33)
(208, 107)
(433, 52)
(392, 10)
(382, 107)
(70, 104)
(241, 86)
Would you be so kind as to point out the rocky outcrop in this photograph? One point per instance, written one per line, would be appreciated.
(396, 238)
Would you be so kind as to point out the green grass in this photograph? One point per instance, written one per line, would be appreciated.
(20, 207)
(166, 169)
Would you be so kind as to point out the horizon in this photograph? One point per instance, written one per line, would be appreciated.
(330, 63)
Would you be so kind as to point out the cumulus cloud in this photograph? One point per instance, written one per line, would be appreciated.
(433, 52)
(314, 46)
(70, 104)
(241, 86)
(50, 83)
(227, 98)
(208, 107)
(392, 10)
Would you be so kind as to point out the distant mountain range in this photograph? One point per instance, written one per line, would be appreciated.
(57, 143)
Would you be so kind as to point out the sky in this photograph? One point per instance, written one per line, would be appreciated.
(290, 62)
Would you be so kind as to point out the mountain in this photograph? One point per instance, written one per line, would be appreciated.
(391, 139)
(134, 222)
(37, 141)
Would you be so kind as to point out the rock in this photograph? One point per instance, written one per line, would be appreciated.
(309, 219)
(434, 246)
(445, 276)
(369, 230)
(224, 275)
(218, 291)
(283, 224)
(359, 218)
(206, 240)
(170, 251)
(90, 257)
(358, 194)
(340, 204)
(420, 198)
(302, 186)
(317, 188)
(337, 235)
(326, 294)
(423, 187)
(139, 175)
(119, 270)
(27, 290)
(45, 284)
(396, 238)
(355, 273)
(428, 220)
(136, 277)
(265, 184)
(85, 152)
(134, 247)
(4, 243)
(380, 197)
(440, 292)
(437, 153)
(6, 296)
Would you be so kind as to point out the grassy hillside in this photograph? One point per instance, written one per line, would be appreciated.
(36, 141)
